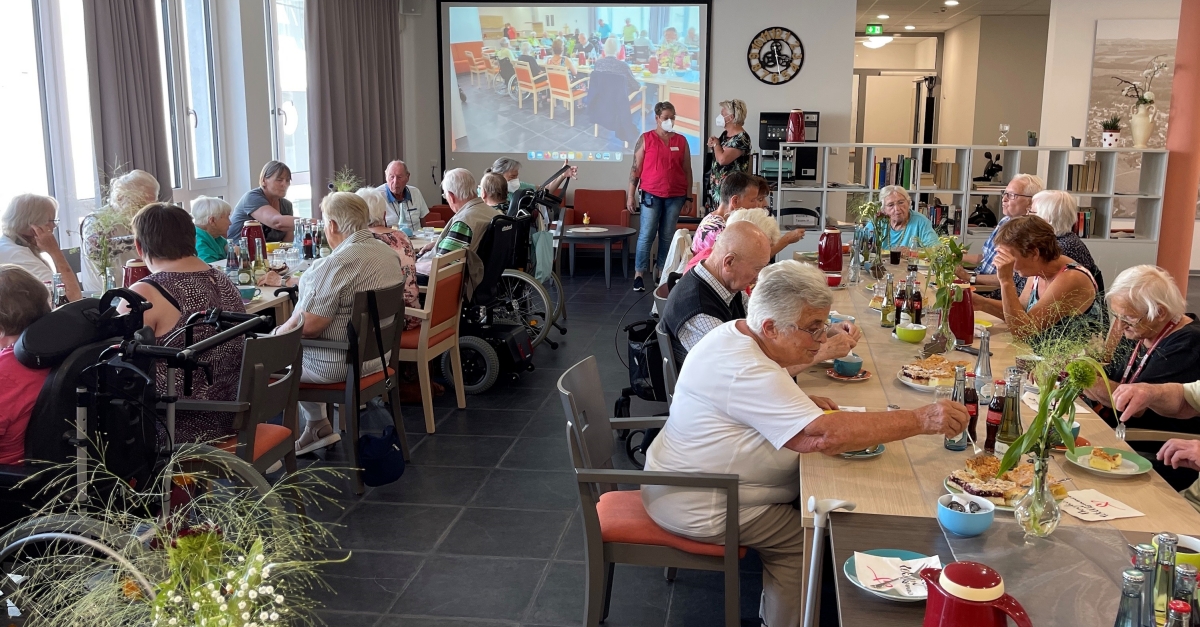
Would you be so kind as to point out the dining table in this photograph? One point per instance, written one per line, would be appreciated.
(896, 492)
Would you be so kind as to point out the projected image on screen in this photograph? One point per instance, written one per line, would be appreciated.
(571, 81)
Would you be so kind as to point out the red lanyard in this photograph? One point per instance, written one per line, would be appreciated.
(1161, 334)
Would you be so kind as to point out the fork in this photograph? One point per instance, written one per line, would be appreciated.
(1120, 429)
(974, 446)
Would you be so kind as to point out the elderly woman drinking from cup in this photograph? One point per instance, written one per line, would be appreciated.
(211, 216)
(1060, 300)
(906, 229)
(27, 233)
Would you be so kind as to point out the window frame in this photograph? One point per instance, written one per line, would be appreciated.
(278, 116)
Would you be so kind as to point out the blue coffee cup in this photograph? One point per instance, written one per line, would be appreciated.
(848, 366)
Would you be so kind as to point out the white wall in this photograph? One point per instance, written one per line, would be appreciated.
(889, 110)
(1012, 58)
(925, 56)
(960, 65)
(422, 128)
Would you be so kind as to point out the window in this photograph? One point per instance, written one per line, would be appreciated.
(23, 168)
(289, 96)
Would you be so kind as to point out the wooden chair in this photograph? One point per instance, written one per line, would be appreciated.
(617, 528)
(262, 396)
(439, 328)
(562, 89)
(363, 346)
(479, 67)
(528, 83)
(493, 70)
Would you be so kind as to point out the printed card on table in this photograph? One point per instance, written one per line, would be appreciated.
(893, 573)
(1031, 401)
(1092, 506)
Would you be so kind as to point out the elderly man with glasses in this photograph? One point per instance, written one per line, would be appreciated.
(1016, 201)
(737, 410)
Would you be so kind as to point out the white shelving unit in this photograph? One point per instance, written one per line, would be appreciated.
(1112, 254)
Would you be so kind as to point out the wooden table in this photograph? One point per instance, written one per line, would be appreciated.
(908, 478)
(280, 305)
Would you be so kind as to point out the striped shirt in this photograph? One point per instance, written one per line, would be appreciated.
(457, 237)
(361, 263)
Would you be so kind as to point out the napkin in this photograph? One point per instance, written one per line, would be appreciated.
(849, 408)
(1091, 505)
(902, 575)
(1031, 401)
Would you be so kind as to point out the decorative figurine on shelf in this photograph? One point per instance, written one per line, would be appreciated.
(587, 219)
(1003, 141)
(991, 170)
(983, 215)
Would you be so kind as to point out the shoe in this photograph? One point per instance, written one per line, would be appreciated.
(274, 468)
(638, 284)
(321, 438)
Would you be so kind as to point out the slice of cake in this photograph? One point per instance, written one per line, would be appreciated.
(1104, 461)
(984, 466)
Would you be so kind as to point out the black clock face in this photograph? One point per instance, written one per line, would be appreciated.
(775, 55)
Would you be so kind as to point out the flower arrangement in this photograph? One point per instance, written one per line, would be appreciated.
(345, 180)
(1111, 125)
(1140, 92)
(222, 555)
(871, 213)
(944, 258)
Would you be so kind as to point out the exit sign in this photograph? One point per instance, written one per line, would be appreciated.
(874, 29)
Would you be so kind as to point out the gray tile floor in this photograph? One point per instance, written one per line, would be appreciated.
(484, 527)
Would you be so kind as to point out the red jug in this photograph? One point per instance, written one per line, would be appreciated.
(652, 65)
(135, 270)
(829, 250)
(962, 316)
(252, 233)
(795, 127)
(969, 593)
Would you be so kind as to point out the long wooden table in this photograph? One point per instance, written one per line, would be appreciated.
(909, 476)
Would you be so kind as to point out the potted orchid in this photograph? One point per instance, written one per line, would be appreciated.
(1141, 121)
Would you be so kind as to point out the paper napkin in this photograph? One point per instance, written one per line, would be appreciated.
(1091, 506)
(902, 576)
(1031, 401)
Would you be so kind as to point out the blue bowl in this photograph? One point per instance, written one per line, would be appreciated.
(962, 523)
(848, 366)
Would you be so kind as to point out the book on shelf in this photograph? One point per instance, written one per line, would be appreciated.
(1083, 177)
(888, 171)
(945, 175)
(1083, 224)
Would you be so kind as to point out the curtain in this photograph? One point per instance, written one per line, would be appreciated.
(354, 106)
(660, 19)
(129, 129)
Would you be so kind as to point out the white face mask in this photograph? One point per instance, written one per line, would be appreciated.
(668, 125)
(719, 121)
(514, 185)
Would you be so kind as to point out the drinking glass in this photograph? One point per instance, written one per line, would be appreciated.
(958, 442)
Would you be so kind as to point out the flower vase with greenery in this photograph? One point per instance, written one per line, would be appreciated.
(944, 258)
(871, 213)
(1141, 119)
(345, 180)
(1062, 374)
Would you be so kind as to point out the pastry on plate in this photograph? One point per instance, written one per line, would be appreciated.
(1102, 460)
(984, 466)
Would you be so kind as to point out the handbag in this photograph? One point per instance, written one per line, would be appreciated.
(381, 456)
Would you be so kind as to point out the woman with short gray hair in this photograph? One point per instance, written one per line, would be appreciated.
(1062, 212)
(211, 217)
(755, 424)
(27, 238)
(107, 233)
(510, 169)
(906, 229)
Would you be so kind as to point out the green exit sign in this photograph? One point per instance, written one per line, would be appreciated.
(874, 29)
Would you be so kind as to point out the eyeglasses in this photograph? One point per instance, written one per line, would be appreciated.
(818, 332)
(1010, 195)
(1129, 322)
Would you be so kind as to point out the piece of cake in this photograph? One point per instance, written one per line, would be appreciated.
(984, 466)
(1104, 461)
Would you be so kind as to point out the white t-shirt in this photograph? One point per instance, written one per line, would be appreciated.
(14, 253)
(732, 412)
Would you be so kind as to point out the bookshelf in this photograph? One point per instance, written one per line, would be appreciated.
(1114, 244)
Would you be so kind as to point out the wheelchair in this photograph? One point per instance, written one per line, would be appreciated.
(100, 403)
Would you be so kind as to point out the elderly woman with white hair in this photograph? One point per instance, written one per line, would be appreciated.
(1062, 212)
(906, 228)
(108, 231)
(756, 424)
(398, 242)
(27, 238)
(211, 217)
(510, 169)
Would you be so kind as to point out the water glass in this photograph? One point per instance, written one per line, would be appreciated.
(958, 442)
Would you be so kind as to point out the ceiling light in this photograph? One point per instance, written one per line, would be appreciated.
(951, 3)
(877, 42)
(883, 16)
(910, 27)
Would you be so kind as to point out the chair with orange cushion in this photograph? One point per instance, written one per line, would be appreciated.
(562, 89)
(438, 216)
(268, 387)
(438, 332)
(357, 389)
(603, 206)
(617, 529)
(528, 83)
(479, 67)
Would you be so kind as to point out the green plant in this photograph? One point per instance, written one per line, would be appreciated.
(1111, 125)
(345, 180)
(1031, 134)
(944, 257)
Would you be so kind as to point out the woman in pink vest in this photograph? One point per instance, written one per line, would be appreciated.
(662, 170)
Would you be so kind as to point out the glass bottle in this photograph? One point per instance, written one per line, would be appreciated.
(1010, 420)
(259, 267)
(995, 415)
(1179, 614)
(971, 400)
(901, 302)
(1143, 560)
(915, 300)
(958, 442)
(49, 291)
(307, 244)
(326, 250)
(1185, 586)
(60, 295)
(231, 254)
(245, 273)
(1129, 611)
(1164, 574)
(887, 310)
(297, 233)
(110, 279)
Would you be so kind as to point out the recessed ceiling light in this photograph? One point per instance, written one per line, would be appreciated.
(883, 16)
(951, 3)
(877, 42)
(910, 27)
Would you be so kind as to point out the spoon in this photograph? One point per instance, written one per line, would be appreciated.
(975, 446)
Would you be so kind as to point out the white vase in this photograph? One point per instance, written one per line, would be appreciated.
(1141, 124)
(1110, 139)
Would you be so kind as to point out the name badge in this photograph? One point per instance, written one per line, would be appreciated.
(674, 148)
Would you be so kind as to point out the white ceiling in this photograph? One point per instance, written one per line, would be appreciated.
(934, 16)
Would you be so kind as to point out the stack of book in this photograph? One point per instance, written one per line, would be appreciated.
(1083, 224)
(945, 175)
(899, 171)
(1083, 177)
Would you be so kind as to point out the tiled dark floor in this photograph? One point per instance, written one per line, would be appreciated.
(484, 527)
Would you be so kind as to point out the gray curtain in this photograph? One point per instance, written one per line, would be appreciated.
(354, 107)
(125, 80)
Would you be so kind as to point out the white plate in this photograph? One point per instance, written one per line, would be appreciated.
(953, 488)
(913, 384)
(848, 570)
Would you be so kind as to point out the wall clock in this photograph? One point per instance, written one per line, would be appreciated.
(775, 55)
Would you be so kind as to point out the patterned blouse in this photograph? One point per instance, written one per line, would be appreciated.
(120, 250)
(717, 174)
(399, 242)
(706, 234)
(193, 292)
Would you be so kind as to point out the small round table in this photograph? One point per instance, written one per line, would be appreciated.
(607, 233)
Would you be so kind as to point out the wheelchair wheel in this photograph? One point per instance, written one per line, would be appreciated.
(558, 297)
(636, 445)
(522, 300)
(480, 365)
(511, 88)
